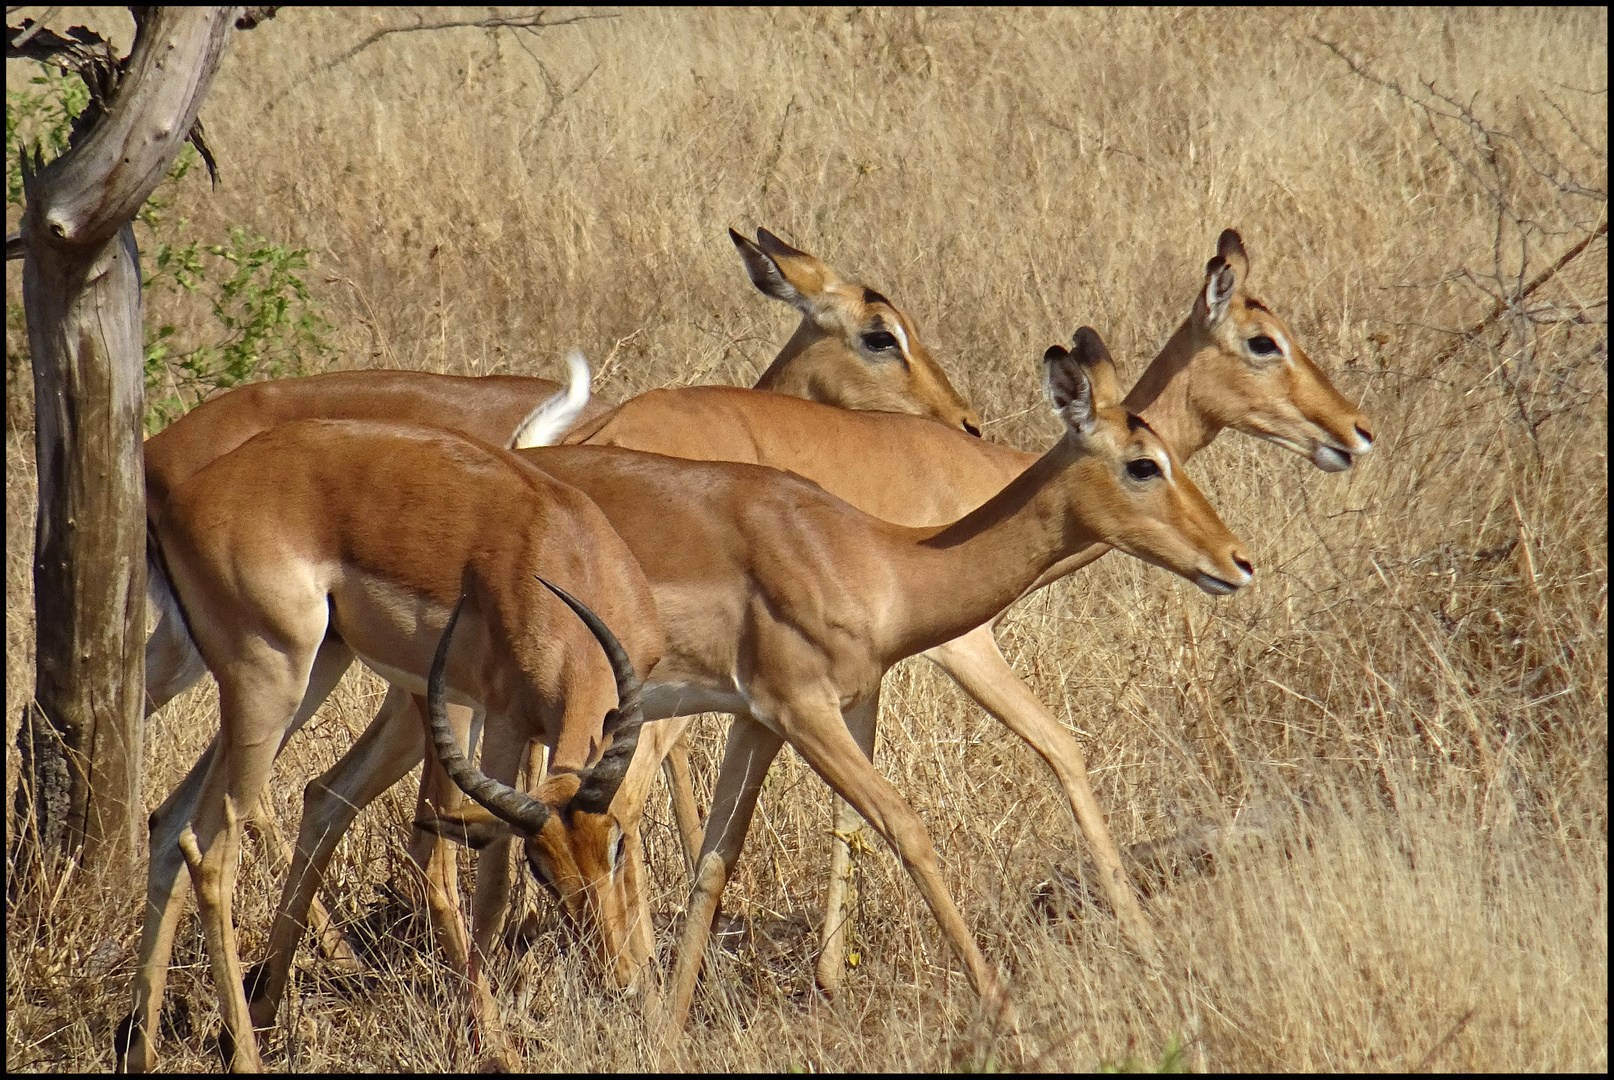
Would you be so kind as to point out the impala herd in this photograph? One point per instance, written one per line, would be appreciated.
(534, 572)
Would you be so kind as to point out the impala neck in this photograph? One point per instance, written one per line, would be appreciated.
(1163, 396)
(786, 375)
(979, 565)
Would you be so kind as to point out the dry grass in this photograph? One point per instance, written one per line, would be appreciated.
(1413, 697)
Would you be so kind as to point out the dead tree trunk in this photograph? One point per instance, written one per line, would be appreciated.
(81, 295)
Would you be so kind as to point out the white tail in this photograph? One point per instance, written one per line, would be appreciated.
(548, 422)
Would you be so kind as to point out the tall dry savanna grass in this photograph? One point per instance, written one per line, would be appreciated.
(1396, 740)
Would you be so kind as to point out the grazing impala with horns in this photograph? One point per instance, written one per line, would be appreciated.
(321, 541)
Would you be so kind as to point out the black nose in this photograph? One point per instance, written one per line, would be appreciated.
(973, 430)
(1244, 564)
(1365, 433)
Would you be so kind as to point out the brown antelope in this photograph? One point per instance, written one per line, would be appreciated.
(841, 318)
(320, 541)
(853, 348)
(501, 409)
(785, 606)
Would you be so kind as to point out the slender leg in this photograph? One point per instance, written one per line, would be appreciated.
(134, 1043)
(332, 944)
(751, 749)
(259, 700)
(860, 720)
(685, 813)
(492, 901)
(387, 750)
(135, 1046)
(437, 859)
(975, 663)
(815, 728)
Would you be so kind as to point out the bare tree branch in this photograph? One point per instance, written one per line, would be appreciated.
(1535, 196)
(557, 96)
(30, 31)
(533, 22)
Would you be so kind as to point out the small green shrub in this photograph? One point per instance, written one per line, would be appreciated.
(40, 120)
(259, 320)
(267, 324)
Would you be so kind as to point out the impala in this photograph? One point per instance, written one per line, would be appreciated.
(785, 606)
(321, 541)
(853, 348)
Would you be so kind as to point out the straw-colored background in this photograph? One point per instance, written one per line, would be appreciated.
(1412, 697)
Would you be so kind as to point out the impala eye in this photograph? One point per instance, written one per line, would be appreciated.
(1261, 345)
(546, 877)
(1143, 469)
(879, 341)
(617, 849)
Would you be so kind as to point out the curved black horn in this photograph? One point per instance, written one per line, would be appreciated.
(627, 682)
(522, 811)
(602, 780)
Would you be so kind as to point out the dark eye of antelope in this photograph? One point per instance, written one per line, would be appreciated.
(1261, 345)
(1143, 469)
(540, 870)
(879, 341)
(616, 851)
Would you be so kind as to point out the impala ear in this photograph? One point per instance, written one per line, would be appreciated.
(1069, 389)
(764, 272)
(1210, 306)
(1089, 351)
(475, 826)
(777, 247)
(1230, 246)
(780, 271)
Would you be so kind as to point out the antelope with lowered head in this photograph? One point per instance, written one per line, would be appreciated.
(321, 541)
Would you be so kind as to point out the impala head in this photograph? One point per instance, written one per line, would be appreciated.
(854, 349)
(574, 846)
(1129, 489)
(1248, 372)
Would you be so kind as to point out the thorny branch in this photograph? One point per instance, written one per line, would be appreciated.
(532, 23)
(1536, 196)
(557, 96)
(88, 55)
(778, 146)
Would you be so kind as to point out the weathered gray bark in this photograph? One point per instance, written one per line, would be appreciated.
(81, 294)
